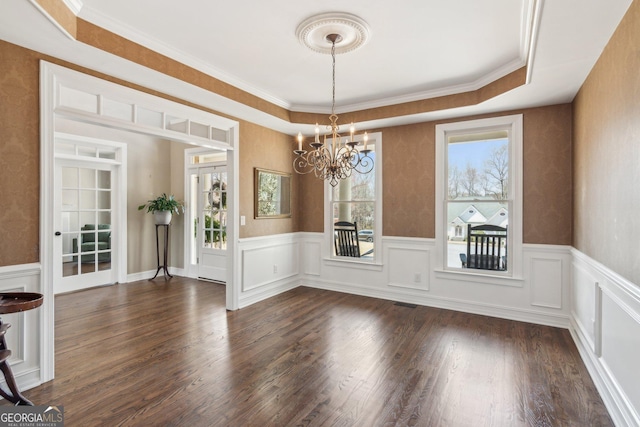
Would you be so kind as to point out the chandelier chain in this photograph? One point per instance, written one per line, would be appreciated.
(333, 77)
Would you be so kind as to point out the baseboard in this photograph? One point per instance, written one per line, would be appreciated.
(146, 275)
(520, 315)
(267, 292)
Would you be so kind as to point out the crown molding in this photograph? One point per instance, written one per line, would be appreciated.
(530, 25)
(74, 5)
(418, 96)
(162, 48)
(55, 23)
(531, 11)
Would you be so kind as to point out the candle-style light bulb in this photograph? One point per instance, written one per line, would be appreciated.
(352, 130)
(299, 141)
(317, 133)
(365, 138)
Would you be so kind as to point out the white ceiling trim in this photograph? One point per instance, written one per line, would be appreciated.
(419, 96)
(162, 48)
(74, 5)
(50, 18)
(529, 25)
(531, 12)
(529, 48)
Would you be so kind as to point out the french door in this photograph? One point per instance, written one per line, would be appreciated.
(211, 223)
(84, 249)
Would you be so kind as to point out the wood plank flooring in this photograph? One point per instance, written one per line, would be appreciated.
(168, 354)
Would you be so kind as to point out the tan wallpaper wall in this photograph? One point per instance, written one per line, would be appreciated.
(408, 172)
(408, 169)
(548, 182)
(266, 149)
(20, 161)
(409, 178)
(607, 154)
(19, 156)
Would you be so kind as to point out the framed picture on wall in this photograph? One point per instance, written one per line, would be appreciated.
(272, 192)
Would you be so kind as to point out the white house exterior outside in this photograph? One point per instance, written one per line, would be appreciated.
(475, 213)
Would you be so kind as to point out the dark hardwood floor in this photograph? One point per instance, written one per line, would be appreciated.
(166, 353)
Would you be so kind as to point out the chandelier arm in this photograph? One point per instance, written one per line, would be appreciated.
(336, 160)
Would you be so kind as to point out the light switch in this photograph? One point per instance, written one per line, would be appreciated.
(243, 220)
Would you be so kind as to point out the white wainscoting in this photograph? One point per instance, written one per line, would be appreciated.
(605, 324)
(408, 273)
(269, 265)
(560, 287)
(23, 337)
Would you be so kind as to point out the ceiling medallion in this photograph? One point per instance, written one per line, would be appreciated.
(313, 32)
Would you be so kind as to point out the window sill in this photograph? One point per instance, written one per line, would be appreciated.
(481, 278)
(353, 263)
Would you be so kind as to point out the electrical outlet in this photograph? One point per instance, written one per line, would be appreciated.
(275, 269)
(417, 278)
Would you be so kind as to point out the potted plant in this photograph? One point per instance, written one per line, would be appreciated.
(163, 208)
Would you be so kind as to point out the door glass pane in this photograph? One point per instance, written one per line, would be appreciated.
(87, 178)
(70, 200)
(69, 177)
(86, 220)
(214, 193)
(87, 199)
(193, 220)
(104, 199)
(104, 179)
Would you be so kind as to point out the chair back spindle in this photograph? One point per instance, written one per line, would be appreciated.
(489, 247)
(346, 239)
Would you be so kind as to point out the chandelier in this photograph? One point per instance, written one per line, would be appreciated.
(335, 157)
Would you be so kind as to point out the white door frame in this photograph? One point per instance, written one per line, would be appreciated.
(54, 80)
(119, 187)
(191, 169)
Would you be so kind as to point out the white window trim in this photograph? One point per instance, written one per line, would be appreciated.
(514, 125)
(375, 138)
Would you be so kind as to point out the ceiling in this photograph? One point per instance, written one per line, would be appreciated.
(417, 49)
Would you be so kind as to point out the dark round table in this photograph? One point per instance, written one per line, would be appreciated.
(14, 302)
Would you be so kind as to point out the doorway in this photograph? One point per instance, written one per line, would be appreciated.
(88, 205)
(105, 105)
(208, 181)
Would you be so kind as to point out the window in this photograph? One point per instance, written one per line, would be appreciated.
(358, 200)
(479, 196)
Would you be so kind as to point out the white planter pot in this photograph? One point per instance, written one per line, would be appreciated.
(162, 217)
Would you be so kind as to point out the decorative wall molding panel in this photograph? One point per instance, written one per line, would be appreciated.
(605, 324)
(408, 273)
(24, 335)
(269, 266)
